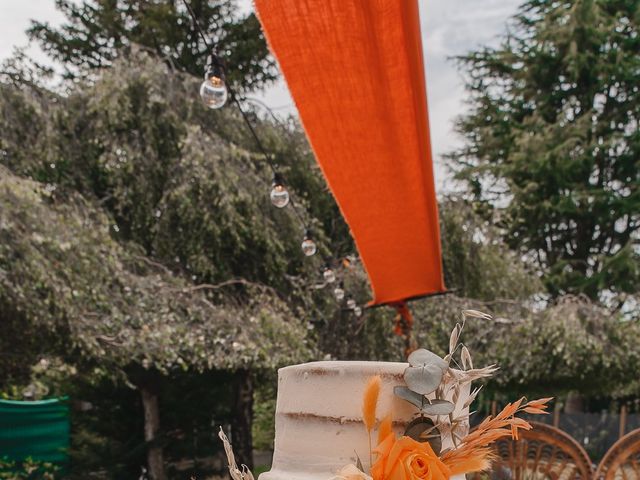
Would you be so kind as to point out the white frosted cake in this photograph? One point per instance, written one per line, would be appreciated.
(386, 421)
(319, 425)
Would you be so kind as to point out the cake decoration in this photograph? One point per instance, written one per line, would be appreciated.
(418, 411)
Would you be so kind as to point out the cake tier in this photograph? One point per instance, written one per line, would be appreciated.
(319, 426)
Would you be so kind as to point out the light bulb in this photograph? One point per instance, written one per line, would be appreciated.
(351, 304)
(279, 194)
(357, 311)
(213, 92)
(309, 247)
(329, 275)
(339, 293)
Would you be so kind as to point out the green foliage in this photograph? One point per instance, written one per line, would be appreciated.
(264, 411)
(106, 428)
(181, 181)
(29, 469)
(64, 272)
(477, 262)
(552, 142)
(22, 344)
(50, 377)
(203, 221)
(96, 30)
(573, 344)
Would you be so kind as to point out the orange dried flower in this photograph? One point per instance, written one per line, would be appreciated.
(473, 452)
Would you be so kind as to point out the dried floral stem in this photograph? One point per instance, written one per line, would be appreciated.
(453, 437)
(474, 447)
(234, 471)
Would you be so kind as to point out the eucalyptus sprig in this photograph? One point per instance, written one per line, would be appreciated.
(429, 375)
(423, 376)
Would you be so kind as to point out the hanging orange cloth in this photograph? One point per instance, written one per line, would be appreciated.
(355, 71)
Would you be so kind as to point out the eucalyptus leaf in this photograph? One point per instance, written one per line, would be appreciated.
(438, 407)
(422, 357)
(411, 397)
(423, 380)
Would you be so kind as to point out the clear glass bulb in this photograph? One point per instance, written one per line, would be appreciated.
(329, 275)
(339, 293)
(213, 92)
(279, 196)
(351, 304)
(309, 247)
(357, 311)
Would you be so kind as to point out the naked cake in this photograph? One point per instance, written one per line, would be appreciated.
(319, 424)
(338, 420)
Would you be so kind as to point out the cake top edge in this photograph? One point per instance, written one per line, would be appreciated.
(355, 366)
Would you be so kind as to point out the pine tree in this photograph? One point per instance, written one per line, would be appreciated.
(552, 143)
(97, 29)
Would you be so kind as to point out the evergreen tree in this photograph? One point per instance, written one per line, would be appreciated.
(97, 29)
(552, 141)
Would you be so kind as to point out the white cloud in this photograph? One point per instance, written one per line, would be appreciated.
(450, 28)
(15, 18)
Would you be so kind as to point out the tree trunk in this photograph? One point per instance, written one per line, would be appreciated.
(243, 417)
(574, 403)
(151, 427)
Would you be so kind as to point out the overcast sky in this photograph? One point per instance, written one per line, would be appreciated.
(450, 27)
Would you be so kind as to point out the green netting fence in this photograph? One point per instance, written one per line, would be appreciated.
(37, 430)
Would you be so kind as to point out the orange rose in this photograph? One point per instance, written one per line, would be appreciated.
(406, 459)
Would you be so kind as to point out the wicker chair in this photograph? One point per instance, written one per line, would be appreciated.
(622, 461)
(545, 452)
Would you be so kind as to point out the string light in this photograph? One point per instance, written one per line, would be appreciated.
(218, 71)
(213, 90)
(279, 194)
(308, 245)
(329, 275)
(214, 93)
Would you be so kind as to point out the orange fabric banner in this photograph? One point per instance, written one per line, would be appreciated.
(355, 71)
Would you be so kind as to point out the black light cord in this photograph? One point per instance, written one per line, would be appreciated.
(197, 25)
(274, 170)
